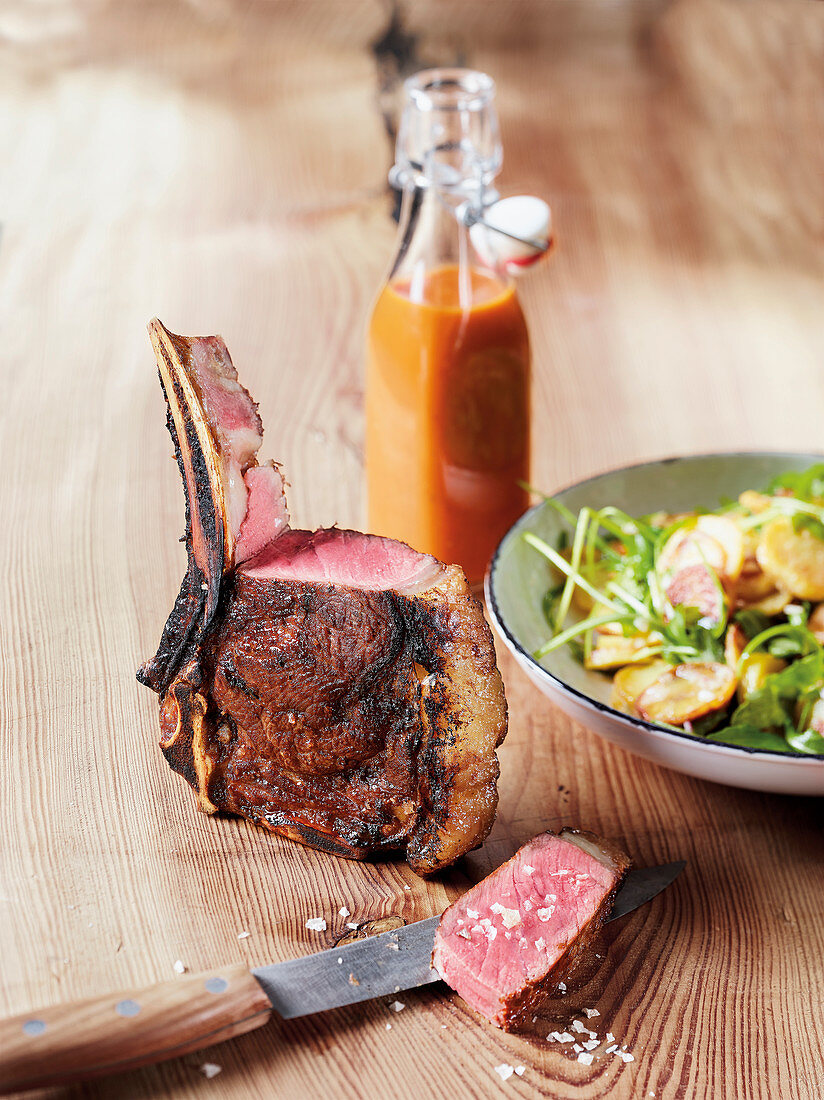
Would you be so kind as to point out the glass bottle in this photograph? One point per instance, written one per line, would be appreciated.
(447, 392)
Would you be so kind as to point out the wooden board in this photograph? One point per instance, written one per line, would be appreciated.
(222, 165)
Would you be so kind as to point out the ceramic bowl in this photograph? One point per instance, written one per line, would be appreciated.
(518, 577)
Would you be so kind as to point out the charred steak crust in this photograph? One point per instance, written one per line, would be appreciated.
(350, 705)
(335, 688)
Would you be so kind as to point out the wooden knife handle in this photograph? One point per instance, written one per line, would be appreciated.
(121, 1031)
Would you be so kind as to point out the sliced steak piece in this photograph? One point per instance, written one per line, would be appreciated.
(507, 942)
(335, 687)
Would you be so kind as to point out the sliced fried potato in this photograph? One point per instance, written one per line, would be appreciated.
(615, 651)
(816, 622)
(729, 537)
(687, 692)
(754, 502)
(795, 559)
(597, 577)
(689, 546)
(712, 540)
(631, 680)
(773, 604)
(753, 584)
(735, 641)
(695, 586)
(755, 670)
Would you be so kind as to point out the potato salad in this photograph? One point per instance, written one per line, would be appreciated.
(708, 622)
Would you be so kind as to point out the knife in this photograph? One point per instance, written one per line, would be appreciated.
(63, 1044)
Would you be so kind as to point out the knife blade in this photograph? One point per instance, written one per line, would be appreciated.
(112, 1033)
(400, 959)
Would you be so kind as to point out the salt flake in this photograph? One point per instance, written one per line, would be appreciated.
(179, 967)
(352, 925)
(210, 1069)
(344, 912)
(504, 1071)
(243, 935)
(527, 904)
(586, 1059)
(625, 1056)
(397, 1006)
(578, 1025)
(511, 918)
(528, 870)
(540, 943)
(590, 1012)
(545, 914)
(473, 914)
(316, 924)
(520, 1070)
(562, 987)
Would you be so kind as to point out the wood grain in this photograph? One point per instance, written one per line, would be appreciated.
(221, 164)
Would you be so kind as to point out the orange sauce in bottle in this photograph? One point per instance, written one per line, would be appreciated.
(447, 414)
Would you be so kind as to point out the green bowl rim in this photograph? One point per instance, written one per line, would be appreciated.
(639, 723)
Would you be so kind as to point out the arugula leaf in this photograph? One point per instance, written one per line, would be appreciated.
(808, 523)
(750, 736)
(809, 741)
(805, 484)
(752, 623)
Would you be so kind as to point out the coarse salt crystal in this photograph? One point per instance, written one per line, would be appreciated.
(578, 1025)
(550, 897)
(463, 932)
(610, 1037)
(586, 1059)
(528, 870)
(397, 1006)
(561, 873)
(316, 924)
(590, 1044)
(545, 914)
(473, 914)
(565, 1037)
(344, 912)
(210, 1069)
(243, 935)
(527, 904)
(625, 1056)
(562, 987)
(590, 1012)
(511, 918)
(540, 943)
(496, 907)
(504, 1071)
(612, 1049)
(388, 1027)
(352, 925)
(179, 967)
(520, 1070)
(577, 1046)
(491, 933)
(406, 887)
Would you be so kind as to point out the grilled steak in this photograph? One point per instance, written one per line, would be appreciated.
(506, 944)
(334, 687)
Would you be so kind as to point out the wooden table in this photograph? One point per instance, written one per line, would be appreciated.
(222, 165)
